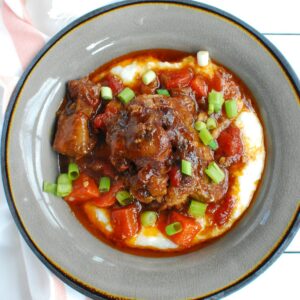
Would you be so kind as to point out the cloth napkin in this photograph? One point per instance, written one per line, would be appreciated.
(25, 26)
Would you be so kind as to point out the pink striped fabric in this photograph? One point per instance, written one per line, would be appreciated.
(59, 291)
(20, 40)
(27, 39)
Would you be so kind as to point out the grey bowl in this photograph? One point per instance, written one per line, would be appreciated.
(47, 224)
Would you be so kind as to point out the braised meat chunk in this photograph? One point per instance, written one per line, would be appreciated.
(85, 94)
(73, 137)
(153, 133)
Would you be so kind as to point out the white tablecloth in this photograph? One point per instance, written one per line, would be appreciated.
(24, 28)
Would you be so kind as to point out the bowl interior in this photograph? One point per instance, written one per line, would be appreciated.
(30, 159)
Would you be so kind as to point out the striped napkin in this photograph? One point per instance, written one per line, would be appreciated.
(25, 27)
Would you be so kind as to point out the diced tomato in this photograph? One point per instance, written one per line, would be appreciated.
(115, 83)
(111, 109)
(199, 86)
(175, 176)
(230, 143)
(189, 229)
(220, 212)
(177, 78)
(225, 82)
(125, 222)
(162, 222)
(84, 189)
(109, 198)
(217, 82)
(99, 121)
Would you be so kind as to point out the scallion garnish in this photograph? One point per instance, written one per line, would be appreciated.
(202, 58)
(163, 92)
(124, 198)
(214, 172)
(149, 77)
(213, 145)
(173, 228)
(215, 102)
(186, 167)
(49, 187)
(64, 185)
(126, 95)
(73, 171)
(148, 218)
(106, 93)
(199, 125)
(211, 123)
(205, 136)
(231, 108)
(104, 184)
(211, 108)
(197, 209)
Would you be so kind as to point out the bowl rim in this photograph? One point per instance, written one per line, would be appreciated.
(75, 283)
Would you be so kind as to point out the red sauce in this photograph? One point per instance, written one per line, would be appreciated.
(220, 212)
(175, 176)
(114, 83)
(200, 86)
(160, 54)
(230, 142)
(177, 79)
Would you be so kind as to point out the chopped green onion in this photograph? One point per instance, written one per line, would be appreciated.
(215, 101)
(199, 125)
(211, 108)
(148, 218)
(173, 228)
(213, 145)
(124, 198)
(49, 187)
(205, 136)
(163, 92)
(186, 167)
(197, 209)
(104, 185)
(106, 93)
(64, 185)
(202, 58)
(231, 108)
(214, 172)
(73, 171)
(126, 95)
(211, 123)
(148, 77)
